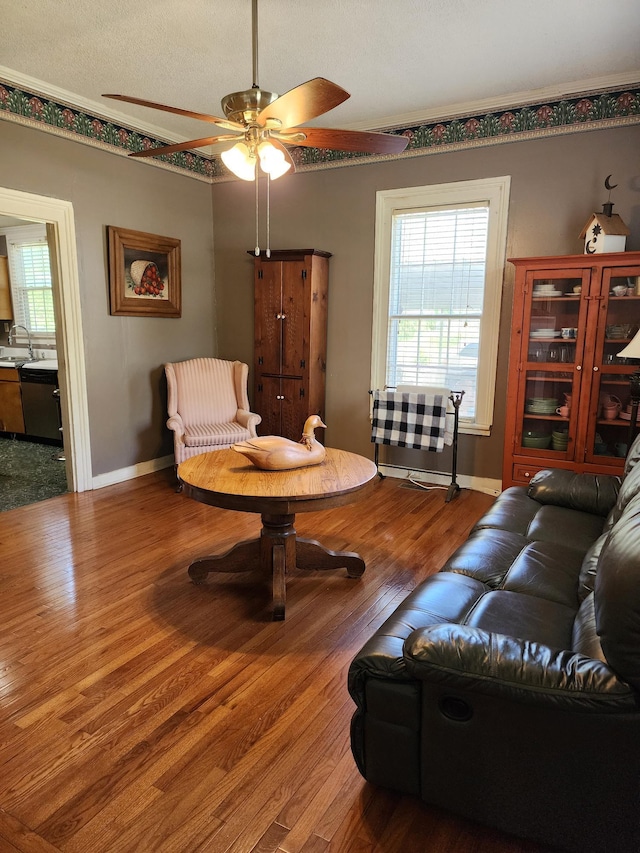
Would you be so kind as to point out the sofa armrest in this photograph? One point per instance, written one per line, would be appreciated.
(471, 659)
(592, 493)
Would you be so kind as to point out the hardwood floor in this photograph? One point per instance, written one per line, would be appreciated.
(139, 712)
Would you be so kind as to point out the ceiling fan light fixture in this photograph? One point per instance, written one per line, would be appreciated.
(240, 161)
(272, 160)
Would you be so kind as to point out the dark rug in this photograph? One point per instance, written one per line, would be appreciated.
(29, 473)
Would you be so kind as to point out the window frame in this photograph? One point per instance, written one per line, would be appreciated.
(493, 192)
(17, 234)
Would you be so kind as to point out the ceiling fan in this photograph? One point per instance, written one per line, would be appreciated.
(263, 124)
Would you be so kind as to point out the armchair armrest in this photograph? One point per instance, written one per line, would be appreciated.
(593, 493)
(176, 424)
(471, 659)
(249, 420)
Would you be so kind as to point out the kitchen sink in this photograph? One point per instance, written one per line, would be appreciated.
(16, 359)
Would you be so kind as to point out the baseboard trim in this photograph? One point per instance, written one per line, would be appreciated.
(476, 484)
(479, 484)
(133, 471)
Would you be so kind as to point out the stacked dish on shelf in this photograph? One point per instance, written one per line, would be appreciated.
(559, 439)
(541, 405)
(545, 333)
(545, 289)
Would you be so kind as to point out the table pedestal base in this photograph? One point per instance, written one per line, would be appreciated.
(277, 551)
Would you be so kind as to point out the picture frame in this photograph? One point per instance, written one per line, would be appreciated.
(144, 274)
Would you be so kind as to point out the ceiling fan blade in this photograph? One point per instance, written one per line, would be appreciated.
(183, 146)
(304, 102)
(222, 122)
(367, 142)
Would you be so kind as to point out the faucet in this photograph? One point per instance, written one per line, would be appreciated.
(11, 340)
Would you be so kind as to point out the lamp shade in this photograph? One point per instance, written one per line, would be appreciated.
(632, 349)
(272, 160)
(240, 161)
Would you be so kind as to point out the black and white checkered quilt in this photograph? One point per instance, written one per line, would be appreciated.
(409, 420)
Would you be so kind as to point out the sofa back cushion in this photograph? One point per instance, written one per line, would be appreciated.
(633, 456)
(617, 595)
(592, 493)
(587, 579)
(629, 489)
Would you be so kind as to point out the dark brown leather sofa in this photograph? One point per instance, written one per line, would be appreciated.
(506, 687)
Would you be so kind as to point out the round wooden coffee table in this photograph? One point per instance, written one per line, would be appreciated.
(225, 478)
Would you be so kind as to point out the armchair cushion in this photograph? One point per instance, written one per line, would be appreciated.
(202, 435)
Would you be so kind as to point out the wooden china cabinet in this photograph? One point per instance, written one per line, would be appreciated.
(290, 327)
(568, 391)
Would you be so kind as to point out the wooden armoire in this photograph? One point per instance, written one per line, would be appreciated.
(291, 291)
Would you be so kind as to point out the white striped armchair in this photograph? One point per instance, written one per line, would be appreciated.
(208, 405)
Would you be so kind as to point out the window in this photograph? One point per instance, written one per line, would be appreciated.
(440, 255)
(30, 274)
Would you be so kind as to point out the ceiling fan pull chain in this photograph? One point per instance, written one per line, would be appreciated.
(268, 217)
(257, 248)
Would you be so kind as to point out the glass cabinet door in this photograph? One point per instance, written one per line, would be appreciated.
(554, 332)
(609, 406)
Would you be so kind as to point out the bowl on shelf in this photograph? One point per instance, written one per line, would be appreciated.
(535, 438)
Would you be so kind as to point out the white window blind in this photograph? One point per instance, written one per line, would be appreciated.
(436, 295)
(30, 275)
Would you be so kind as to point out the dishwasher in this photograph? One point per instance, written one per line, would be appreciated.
(39, 404)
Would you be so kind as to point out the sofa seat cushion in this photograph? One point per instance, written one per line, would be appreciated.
(203, 435)
(525, 617)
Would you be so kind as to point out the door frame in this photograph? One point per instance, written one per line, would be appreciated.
(58, 216)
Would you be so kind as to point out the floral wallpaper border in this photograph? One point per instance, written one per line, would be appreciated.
(565, 115)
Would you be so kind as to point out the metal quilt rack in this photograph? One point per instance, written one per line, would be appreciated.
(455, 397)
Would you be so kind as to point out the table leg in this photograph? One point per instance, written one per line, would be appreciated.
(277, 552)
(278, 556)
(311, 555)
(243, 557)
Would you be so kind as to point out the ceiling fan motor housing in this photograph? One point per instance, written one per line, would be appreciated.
(244, 106)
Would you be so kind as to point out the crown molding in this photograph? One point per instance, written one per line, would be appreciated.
(504, 102)
(85, 105)
(599, 103)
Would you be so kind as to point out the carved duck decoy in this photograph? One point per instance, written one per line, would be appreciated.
(275, 453)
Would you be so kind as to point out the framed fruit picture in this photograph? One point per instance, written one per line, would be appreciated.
(144, 274)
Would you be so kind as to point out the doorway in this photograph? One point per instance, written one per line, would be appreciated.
(31, 460)
(58, 217)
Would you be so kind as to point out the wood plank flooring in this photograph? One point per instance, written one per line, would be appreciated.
(139, 712)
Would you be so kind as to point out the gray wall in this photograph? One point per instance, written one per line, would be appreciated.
(556, 183)
(124, 355)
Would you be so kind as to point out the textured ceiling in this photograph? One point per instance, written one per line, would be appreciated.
(401, 60)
